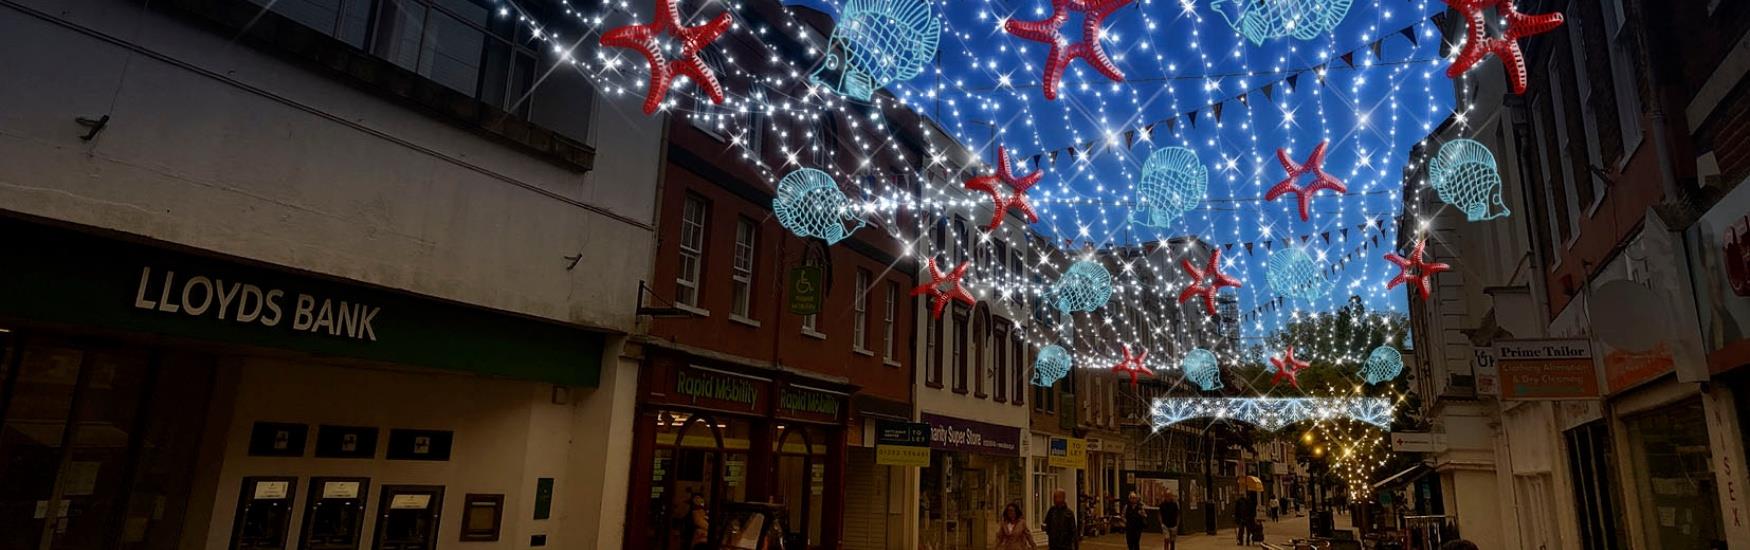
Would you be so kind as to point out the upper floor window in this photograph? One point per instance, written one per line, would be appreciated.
(860, 313)
(741, 276)
(1019, 360)
(933, 352)
(1000, 347)
(692, 251)
(471, 46)
(889, 340)
(958, 345)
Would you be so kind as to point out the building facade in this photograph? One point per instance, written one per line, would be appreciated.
(278, 278)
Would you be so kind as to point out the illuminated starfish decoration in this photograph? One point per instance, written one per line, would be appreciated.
(1414, 270)
(1132, 365)
(1212, 275)
(1049, 31)
(1315, 165)
(1478, 44)
(941, 295)
(642, 38)
(1006, 174)
(1287, 367)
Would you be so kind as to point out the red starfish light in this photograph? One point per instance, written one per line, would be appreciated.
(1048, 31)
(1132, 365)
(1215, 278)
(1315, 165)
(1287, 367)
(1478, 44)
(1415, 271)
(1006, 174)
(663, 71)
(941, 295)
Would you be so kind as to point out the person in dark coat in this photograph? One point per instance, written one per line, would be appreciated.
(1060, 524)
(1135, 520)
(1245, 512)
(1169, 511)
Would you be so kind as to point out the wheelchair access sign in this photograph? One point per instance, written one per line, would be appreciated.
(806, 289)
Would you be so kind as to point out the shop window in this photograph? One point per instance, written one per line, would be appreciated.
(1674, 480)
(1591, 466)
(741, 275)
(692, 245)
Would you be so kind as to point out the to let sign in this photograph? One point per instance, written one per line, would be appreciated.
(806, 288)
(1546, 369)
(902, 443)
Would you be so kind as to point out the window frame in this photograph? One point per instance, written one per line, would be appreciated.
(860, 314)
(890, 326)
(741, 278)
(691, 280)
(959, 333)
(1000, 361)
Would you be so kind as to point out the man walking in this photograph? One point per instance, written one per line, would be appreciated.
(1169, 511)
(1060, 524)
(1135, 520)
(1244, 513)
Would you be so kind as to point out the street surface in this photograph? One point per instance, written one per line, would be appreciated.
(1277, 533)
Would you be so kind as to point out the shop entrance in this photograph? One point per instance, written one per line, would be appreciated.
(700, 461)
(99, 441)
(801, 482)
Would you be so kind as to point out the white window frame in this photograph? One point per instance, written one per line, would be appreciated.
(741, 272)
(810, 326)
(1558, 99)
(695, 214)
(860, 312)
(890, 343)
(1583, 80)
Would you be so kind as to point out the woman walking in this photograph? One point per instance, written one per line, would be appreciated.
(1013, 533)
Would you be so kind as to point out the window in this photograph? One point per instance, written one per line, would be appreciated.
(1572, 131)
(692, 251)
(957, 343)
(1549, 158)
(1018, 276)
(1625, 85)
(933, 353)
(890, 344)
(810, 325)
(860, 318)
(963, 239)
(1018, 360)
(1044, 486)
(1001, 363)
(981, 355)
(741, 275)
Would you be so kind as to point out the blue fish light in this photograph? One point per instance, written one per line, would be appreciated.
(810, 204)
(1261, 20)
(1293, 273)
(1052, 365)
(1174, 181)
(1464, 174)
(1385, 363)
(876, 43)
(1085, 286)
(1202, 368)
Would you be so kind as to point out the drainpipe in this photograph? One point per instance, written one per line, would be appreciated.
(1660, 128)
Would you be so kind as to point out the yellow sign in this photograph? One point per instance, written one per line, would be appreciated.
(1068, 452)
(900, 455)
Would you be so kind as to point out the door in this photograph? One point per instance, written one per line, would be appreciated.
(407, 517)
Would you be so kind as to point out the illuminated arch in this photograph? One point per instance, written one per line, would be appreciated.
(1271, 413)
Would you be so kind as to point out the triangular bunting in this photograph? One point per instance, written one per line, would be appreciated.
(1410, 33)
(1327, 236)
(1349, 59)
(1216, 109)
(1248, 249)
(1293, 81)
(1268, 91)
(1376, 47)
(1193, 116)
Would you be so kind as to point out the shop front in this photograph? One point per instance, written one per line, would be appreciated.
(712, 435)
(1719, 265)
(976, 469)
(152, 397)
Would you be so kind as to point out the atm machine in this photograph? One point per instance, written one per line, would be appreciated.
(334, 513)
(407, 517)
(263, 514)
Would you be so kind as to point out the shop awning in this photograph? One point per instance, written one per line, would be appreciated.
(1254, 484)
(1410, 474)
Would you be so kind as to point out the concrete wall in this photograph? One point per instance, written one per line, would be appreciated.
(219, 146)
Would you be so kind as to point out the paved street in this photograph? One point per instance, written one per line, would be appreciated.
(1277, 533)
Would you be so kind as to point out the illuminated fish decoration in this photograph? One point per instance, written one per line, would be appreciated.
(810, 204)
(877, 43)
(1465, 176)
(1052, 365)
(1202, 368)
(1293, 273)
(1385, 363)
(1085, 286)
(1174, 181)
(1263, 20)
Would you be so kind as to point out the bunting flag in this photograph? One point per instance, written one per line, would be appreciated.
(1349, 59)
(1193, 117)
(1410, 33)
(1243, 100)
(1293, 81)
(1376, 47)
(1216, 110)
(1130, 139)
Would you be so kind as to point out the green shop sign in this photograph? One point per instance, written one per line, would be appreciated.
(701, 385)
(806, 287)
(808, 402)
(64, 276)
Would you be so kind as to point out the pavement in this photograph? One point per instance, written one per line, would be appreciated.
(1276, 533)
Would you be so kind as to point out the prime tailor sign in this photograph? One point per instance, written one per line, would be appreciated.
(1546, 369)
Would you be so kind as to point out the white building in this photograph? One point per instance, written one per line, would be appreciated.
(290, 271)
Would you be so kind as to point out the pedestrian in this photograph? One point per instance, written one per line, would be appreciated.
(1135, 520)
(1060, 524)
(696, 526)
(1242, 523)
(1013, 534)
(1284, 506)
(1270, 508)
(1169, 511)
